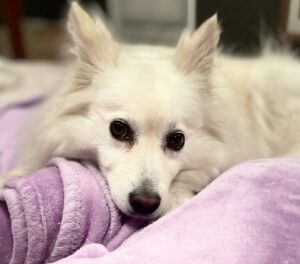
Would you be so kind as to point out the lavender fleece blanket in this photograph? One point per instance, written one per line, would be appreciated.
(250, 214)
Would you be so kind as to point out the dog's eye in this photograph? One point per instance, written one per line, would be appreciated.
(120, 130)
(175, 140)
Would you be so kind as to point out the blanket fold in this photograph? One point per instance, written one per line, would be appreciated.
(49, 214)
(249, 215)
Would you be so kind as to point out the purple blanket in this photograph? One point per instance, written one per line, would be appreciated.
(251, 214)
(55, 211)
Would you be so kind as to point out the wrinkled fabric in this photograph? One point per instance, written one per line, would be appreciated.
(249, 215)
(49, 214)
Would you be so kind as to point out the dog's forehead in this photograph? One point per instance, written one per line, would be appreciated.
(150, 91)
(150, 86)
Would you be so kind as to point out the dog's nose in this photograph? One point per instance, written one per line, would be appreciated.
(144, 203)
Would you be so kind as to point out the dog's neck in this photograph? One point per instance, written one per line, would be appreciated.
(243, 125)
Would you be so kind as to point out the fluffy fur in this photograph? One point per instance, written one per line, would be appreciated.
(229, 109)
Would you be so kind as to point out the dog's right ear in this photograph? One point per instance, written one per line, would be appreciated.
(94, 45)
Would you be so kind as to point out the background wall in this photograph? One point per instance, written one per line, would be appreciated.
(244, 23)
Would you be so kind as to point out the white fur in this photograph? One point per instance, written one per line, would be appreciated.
(230, 110)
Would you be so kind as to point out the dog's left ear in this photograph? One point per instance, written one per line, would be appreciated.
(94, 45)
(196, 52)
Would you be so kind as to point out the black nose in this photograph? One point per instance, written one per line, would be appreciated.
(144, 203)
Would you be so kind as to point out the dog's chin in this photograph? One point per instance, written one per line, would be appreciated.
(150, 217)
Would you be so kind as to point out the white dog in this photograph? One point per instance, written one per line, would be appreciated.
(162, 123)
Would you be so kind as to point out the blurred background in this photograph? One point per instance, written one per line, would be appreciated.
(35, 29)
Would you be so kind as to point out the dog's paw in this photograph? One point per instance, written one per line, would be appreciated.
(180, 196)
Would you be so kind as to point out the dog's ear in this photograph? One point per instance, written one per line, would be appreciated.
(94, 45)
(196, 52)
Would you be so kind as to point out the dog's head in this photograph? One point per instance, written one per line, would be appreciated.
(146, 110)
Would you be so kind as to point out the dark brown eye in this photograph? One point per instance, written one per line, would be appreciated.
(120, 130)
(175, 140)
